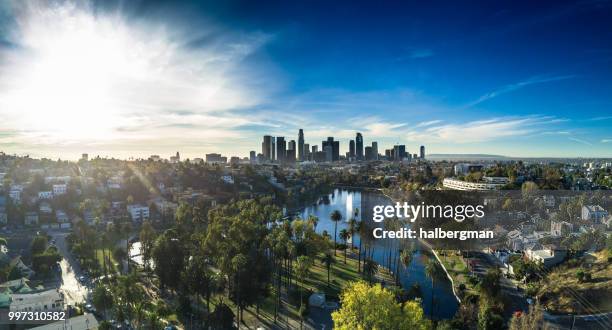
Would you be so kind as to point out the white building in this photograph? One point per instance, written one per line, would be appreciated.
(61, 216)
(138, 212)
(45, 208)
(227, 179)
(594, 213)
(15, 196)
(547, 256)
(51, 301)
(455, 184)
(45, 194)
(59, 189)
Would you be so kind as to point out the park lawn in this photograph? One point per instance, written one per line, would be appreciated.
(561, 292)
(457, 269)
(100, 259)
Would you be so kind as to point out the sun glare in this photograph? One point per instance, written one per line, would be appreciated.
(70, 74)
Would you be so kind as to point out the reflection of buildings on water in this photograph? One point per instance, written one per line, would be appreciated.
(368, 201)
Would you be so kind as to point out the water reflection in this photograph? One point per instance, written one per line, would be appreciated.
(346, 201)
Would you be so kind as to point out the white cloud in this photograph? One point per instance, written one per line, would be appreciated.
(76, 75)
(580, 141)
(606, 141)
(516, 86)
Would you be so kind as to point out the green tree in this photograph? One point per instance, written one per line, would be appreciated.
(169, 256)
(344, 236)
(335, 216)
(147, 242)
(327, 260)
(367, 307)
(433, 271)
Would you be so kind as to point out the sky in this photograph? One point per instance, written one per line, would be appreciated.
(135, 78)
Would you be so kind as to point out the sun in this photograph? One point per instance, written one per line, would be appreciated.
(70, 72)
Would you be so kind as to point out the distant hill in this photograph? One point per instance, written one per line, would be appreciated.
(466, 157)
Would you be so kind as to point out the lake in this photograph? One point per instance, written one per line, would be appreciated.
(346, 201)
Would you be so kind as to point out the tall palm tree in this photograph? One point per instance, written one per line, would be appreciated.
(352, 228)
(314, 220)
(369, 269)
(345, 235)
(433, 270)
(328, 260)
(336, 216)
(359, 227)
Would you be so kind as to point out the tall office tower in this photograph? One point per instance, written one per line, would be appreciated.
(359, 145)
(273, 149)
(374, 150)
(328, 149)
(352, 149)
(399, 152)
(368, 153)
(252, 157)
(306, 151)
(301, 145)
(291, 152)
(389, 154)
(281, 149)
(335, 148)
(266, 147)
(422, 152)
(315, 149)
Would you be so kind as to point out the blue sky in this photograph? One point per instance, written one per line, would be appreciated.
(504, 77)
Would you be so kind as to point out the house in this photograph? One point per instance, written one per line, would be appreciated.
(61, 216)
(43, 301)
(45, 194)
(560, 228)
(59, 189)
(45, 207)
(549, 200)
(227, 179)
(547, 256)
(15, 196)
(31, 218)
(594, 213)
(138, 212)
(25, 270)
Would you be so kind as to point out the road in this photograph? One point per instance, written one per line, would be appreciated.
(74, 291)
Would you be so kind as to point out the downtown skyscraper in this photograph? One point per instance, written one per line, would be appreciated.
(359, 146)
(301, 145)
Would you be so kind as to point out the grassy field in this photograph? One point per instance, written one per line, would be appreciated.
(457, 269)
(562, 292)
(100, 259)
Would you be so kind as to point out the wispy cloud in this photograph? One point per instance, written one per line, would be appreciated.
(600, 118)
(428, 123)
(606, 141)
(587, 143)
(516, 86)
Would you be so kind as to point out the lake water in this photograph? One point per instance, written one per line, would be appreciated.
(346, 201)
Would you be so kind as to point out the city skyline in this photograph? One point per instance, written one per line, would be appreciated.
(131, 80)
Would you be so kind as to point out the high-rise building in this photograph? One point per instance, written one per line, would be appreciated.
(301, 145)
(252, 157)
(422, 152)
(266, 147)
(281, 149)
(334, 149)
(374, 150)
(352, 149)
(368, 153)
(291, 152)
(399, 152)
(306, 151)
(359, 146)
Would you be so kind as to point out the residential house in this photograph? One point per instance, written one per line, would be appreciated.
(548, 256)
(45, 194)
(138, 212)
(59, 189)
(43, 301)
(594, 213)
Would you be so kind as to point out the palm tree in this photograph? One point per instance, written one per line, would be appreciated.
(336, 216)
(369, 269)
(406, 257)
(345, 235)
(359, 227)
(328, 260)
(352, 228)
(314, 220)
(433, 270)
